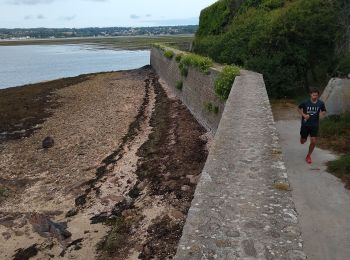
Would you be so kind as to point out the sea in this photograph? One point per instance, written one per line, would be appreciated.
(25, 64)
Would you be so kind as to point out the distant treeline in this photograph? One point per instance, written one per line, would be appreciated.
(94, 31)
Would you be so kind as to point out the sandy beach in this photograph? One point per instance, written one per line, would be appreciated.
(118, 181)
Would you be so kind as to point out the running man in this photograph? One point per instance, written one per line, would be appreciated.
(310, 110)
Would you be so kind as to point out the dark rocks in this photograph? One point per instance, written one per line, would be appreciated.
(24, 254)
(47, 228)
(81, 200)
(100, 218)
(121, 206)
(48, 142)
(71, 213)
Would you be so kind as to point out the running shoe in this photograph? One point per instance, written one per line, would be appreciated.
(308, 159)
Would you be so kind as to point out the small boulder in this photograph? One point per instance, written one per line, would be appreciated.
(48, 142)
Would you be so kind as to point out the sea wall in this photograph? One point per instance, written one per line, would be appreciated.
(197, 91)
(242, 207)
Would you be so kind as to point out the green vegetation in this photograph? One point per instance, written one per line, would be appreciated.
(340, 166)
(343, 67)
(224, 81)
(201, 63)
(169, 54)
(335, 135)
(179, 85)
(179, 57)
(291, 42)
(211, 108)
(183, 70)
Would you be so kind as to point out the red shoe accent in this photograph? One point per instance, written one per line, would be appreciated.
(308, 159)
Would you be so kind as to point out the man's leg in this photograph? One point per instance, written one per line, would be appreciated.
(313, 141)
(303, 134)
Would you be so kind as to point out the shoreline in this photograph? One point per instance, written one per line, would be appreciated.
(119, 180)
(24, 121)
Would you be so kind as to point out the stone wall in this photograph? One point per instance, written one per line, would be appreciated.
(197, 91)
(242, 207)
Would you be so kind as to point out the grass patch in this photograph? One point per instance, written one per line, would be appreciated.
(224, 81)
(201, 63)
(179, 85)
(340, 166)
(211, 108)
(341, 169)
(169, 54)
(335, 133)
(183, 70)
(179, 57)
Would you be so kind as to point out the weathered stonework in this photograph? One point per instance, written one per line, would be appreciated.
(197, 91)
(242, 208)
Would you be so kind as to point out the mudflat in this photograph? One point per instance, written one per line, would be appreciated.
(117, 182)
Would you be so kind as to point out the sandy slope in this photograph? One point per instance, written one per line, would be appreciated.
(90, 123)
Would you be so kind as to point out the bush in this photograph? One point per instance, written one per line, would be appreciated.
(287, 41)
(335, 133)
(179, 57)
(211, 108)
(201, 63)
(343, 66)
(169, 54)
(183, 69)
(158, 46)
(224, 81)
(179, 85)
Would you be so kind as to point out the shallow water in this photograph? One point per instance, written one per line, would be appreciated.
(20, 65)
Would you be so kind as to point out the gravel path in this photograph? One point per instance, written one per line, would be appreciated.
(322, 201)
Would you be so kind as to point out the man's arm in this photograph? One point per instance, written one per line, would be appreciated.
(301, 112)
(323, 111)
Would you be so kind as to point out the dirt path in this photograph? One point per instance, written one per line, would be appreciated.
(118, 182)
(320, 198)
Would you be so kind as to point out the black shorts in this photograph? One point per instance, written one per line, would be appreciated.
(306, 130)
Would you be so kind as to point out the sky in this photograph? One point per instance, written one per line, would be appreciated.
(99, 13)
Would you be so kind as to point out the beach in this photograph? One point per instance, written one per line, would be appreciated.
(119, 178)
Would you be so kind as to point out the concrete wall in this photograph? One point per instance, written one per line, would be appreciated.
(337, 96)
(242, 207)
(198, 88)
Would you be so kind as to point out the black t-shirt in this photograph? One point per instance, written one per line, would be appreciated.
(313, 110)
